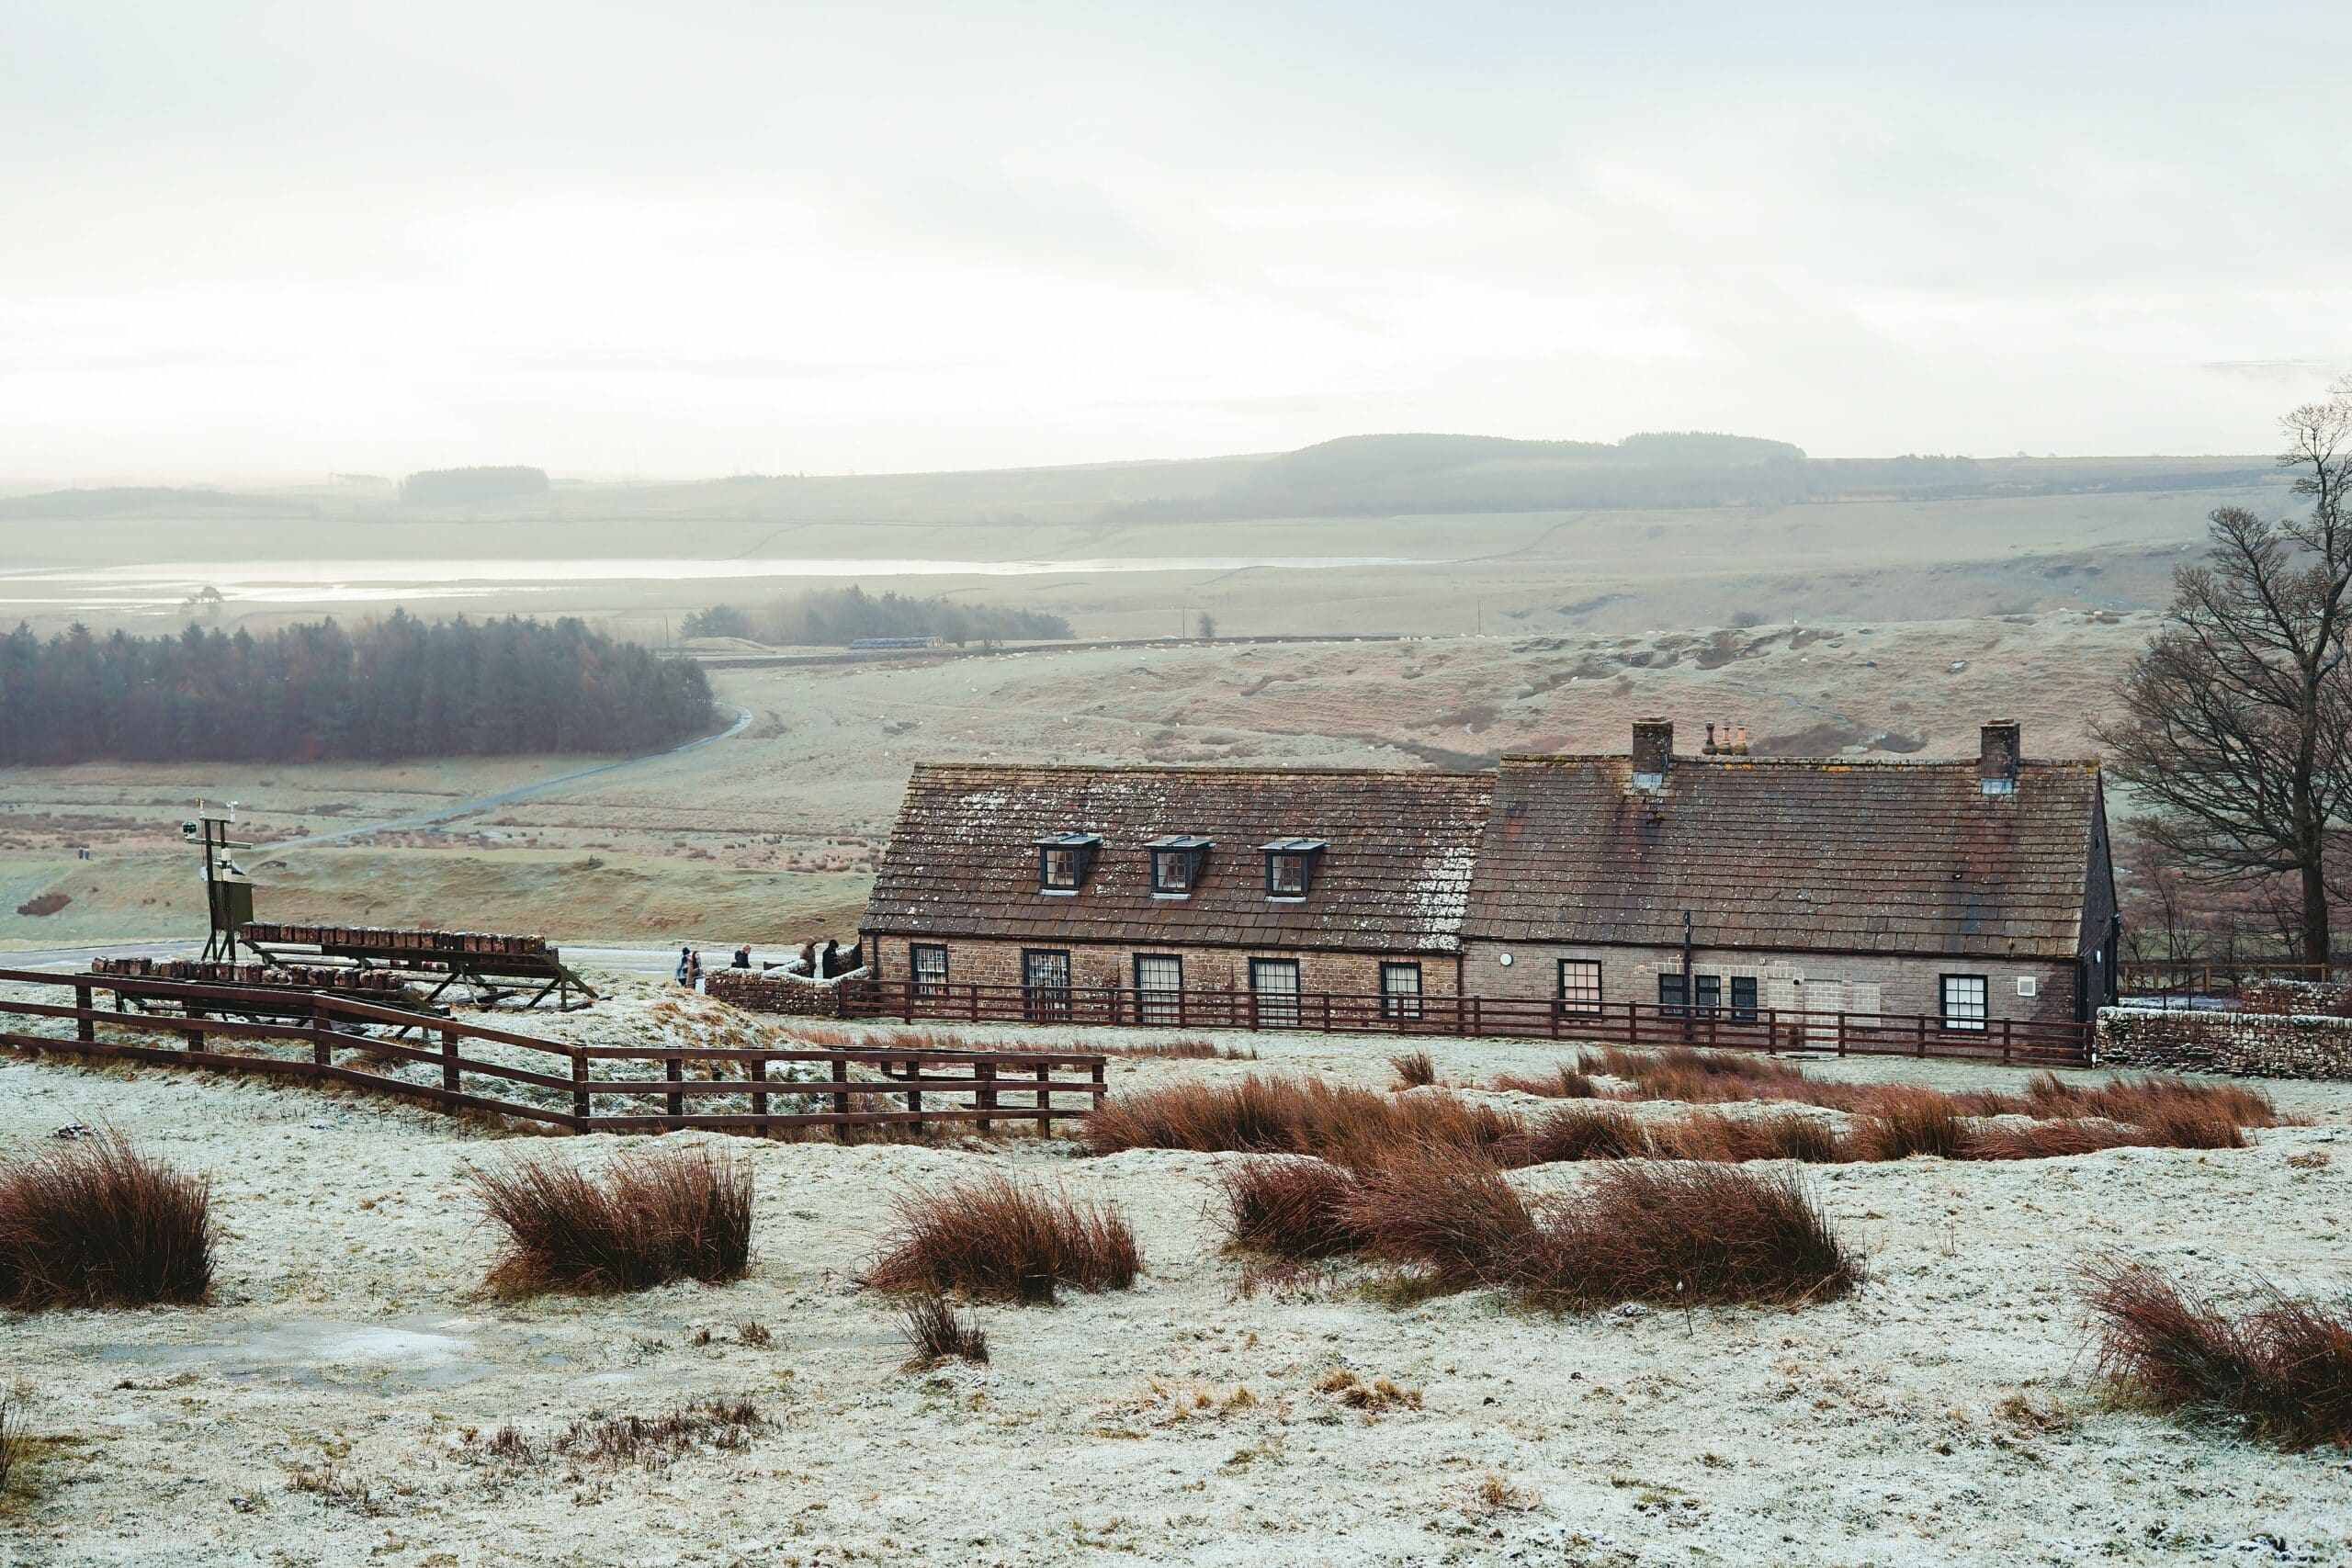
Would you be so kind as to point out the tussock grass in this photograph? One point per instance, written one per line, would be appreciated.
(1289, 1206)
(1564, 1082)
(1279, 1115)
(938, 1336)
(998, 1239)
(2044, 1139)
(2281, 1373)
(15, 1443)
(1712, 1136)
(1414, 1070)
(97, 1224)
(1578, 1133)
(1709, 1235)
(630, 1440)
(1446, 1210)
(1904, 1121)
(1184, 1050)
(646, 1219)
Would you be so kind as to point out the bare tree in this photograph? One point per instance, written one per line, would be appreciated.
(2238, 734)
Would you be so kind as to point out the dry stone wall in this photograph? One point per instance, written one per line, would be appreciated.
(2204, 1040)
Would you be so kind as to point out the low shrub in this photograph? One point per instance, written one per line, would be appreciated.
(996, 1238)
(1695, 1233)
(2283, 1373)
(1289, 1206)
(938, 1336)
(647, 1219)
(1414, 1070)
(96, 1224)
(1904, 1121)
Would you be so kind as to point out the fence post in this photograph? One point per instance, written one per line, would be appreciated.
(1327, 1012)
(759, 1096)
(914, 1090)
(2006, 1030)
(1044, 1100)
(85, 1028)
(580, 1082)
(449, 1060)
(1919, 1026)
(1841, 1033)
(322, 1048)
(841, 1075)
(1096, 1104)
(675, 1070)
(975, 989)
(985, 1096)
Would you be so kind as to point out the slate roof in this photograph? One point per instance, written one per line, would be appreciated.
(963, 858)
(1787, 853)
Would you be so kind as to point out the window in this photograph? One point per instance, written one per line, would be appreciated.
(1045, 983)
(1964, 998)
(1670, 993)
(1707, 991)
(927, 961)
(1176, 865)
(1400, 992)
(1160, 985)
(1580, 986)
(1743, 998)
(1063, 860)
(1273, 985)
(2027, 986)
(1290, 867)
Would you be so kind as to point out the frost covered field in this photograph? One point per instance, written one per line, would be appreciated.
(341, 1399)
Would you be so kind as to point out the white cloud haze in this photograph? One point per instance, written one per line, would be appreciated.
(277, 240)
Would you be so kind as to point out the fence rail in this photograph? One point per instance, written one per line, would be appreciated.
(318, 1038)
(2219, 977)
(1630, 1023)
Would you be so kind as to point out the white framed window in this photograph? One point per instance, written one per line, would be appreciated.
(1159, 980)
(2028, 986)
(927, 961)
(1176, 865)
(1965, 998)
(1274, 987)
(1580, 987)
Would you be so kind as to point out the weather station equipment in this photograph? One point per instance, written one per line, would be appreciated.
(228, 891)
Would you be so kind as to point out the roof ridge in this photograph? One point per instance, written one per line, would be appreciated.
(1202, 770)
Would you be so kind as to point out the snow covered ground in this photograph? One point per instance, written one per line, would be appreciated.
(337, 1401)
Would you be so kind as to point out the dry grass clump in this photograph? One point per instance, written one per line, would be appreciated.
(15, 1443)
(938, 1336)
(1904, 1121)
(96, 1224)
(1000, 1240)
(2139, 1100)
(1377, 1397)
(1289, 1206)
(2281, 1373)
(1448, 1211)
(1275, 1115)
(646, 1219)
(1183, 1050)
(627, 1439)
(2044, 1139)
(1414, 1070)
(1712, 1136)
(1705, 1234)
(1564, 1082)
(1578, 1133)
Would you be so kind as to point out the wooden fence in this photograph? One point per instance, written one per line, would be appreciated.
(2216, 976)
(324, 1038)
(1628, 1023)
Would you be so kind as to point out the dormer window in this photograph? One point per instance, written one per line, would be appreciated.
(1290, 868)
(1176, 865)
(1063, 860)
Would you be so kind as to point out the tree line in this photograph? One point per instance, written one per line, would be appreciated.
(840, 616)
(400, 687)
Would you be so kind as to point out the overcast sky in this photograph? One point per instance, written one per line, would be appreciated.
(242, 239)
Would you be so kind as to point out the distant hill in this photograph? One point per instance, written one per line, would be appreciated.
(455, 486)
(117, 501)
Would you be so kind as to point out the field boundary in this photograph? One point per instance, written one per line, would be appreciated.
(318, 1037)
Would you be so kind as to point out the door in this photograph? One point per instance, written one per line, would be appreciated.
(1273, 987)
(1159, 979)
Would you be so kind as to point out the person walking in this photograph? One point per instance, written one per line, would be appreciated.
(694, 971)
(686, 963)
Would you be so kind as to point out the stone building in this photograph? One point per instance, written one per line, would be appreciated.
(1967, 891)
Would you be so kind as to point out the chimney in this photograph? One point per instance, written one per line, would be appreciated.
(1652, 749)
(1999, 748)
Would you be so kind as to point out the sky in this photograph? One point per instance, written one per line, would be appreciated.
(245, 240)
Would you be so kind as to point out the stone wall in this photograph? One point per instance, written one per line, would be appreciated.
(1111, 965)
(2207, 1040)
(776, 991)
(2306, 998)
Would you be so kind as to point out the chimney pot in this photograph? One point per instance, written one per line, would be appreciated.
(2000, 745)
(1653, 750)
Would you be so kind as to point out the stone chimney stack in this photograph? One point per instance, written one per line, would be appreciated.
(1653, 750)
(2000, 745)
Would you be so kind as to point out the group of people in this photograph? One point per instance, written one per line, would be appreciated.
(822, 965)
